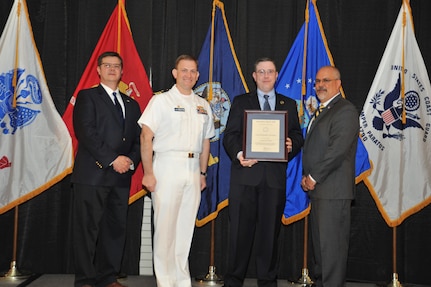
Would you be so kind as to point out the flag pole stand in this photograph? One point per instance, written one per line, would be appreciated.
(211, 278)
(395, 282)
(305, 280)
(14, 273)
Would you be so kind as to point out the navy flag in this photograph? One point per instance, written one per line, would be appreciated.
(220, 80)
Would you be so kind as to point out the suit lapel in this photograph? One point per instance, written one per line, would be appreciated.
(254, 101)
(280, 104)
(126, 101)
(334, 101)
(327, 108)
(324, 112)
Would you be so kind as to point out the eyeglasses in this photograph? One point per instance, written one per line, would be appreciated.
(263, 72)
(108, 66)
(324, 81)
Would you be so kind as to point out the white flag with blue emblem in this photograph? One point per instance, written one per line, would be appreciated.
(395, 126)
(35, 146)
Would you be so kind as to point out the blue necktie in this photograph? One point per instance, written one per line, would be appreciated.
(266, 106)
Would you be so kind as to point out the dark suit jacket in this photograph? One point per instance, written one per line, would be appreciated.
(274, 172)
(330, 150)
(101, 138)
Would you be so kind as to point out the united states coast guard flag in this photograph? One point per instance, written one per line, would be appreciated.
(35, 146)
(117, 37)
(395, 125)
(220, 80)
(308, 54)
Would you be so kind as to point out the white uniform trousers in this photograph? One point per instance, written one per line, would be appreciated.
(175, 201)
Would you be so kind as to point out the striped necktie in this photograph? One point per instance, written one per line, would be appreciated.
(266, 106)
(319, 110)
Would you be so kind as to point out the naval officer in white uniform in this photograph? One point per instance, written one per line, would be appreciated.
(175, 143)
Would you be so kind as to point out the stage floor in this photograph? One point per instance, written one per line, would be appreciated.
(60, 280)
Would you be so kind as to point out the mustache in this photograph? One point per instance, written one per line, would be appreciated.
(321, 89)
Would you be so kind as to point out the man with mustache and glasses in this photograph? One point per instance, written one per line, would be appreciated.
(329, 177)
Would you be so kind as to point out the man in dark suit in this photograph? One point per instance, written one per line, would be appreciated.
(257, 188)
(105, 123)
(329, 177)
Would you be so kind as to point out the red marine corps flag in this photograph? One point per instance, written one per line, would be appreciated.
(117, 37)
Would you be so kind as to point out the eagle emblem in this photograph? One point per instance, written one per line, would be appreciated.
(28, 96)
(389, 119)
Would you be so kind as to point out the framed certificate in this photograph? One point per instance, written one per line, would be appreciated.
(265, 134)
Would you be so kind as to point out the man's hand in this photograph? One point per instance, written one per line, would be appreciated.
(122, 164)
(288, 144)
(149, 182)
(246, 162)
(203, 182)
(307, 183)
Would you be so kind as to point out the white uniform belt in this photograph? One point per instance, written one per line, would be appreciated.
(182, 154)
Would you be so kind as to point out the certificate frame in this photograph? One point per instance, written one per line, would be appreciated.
(265, 134)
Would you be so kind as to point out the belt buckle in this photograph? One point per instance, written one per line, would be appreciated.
(191, 155)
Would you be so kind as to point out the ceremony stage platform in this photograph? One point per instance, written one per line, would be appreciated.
(63, 280)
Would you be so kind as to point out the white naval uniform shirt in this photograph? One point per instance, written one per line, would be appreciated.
(179, 123)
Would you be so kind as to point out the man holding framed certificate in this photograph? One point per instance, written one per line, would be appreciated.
(262, 128)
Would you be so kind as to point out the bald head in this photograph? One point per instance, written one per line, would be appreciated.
(327, 83)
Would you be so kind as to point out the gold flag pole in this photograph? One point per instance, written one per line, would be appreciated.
(305, 280)
(211, 278)
(395, 282)
(212, 275)
(13, 272)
